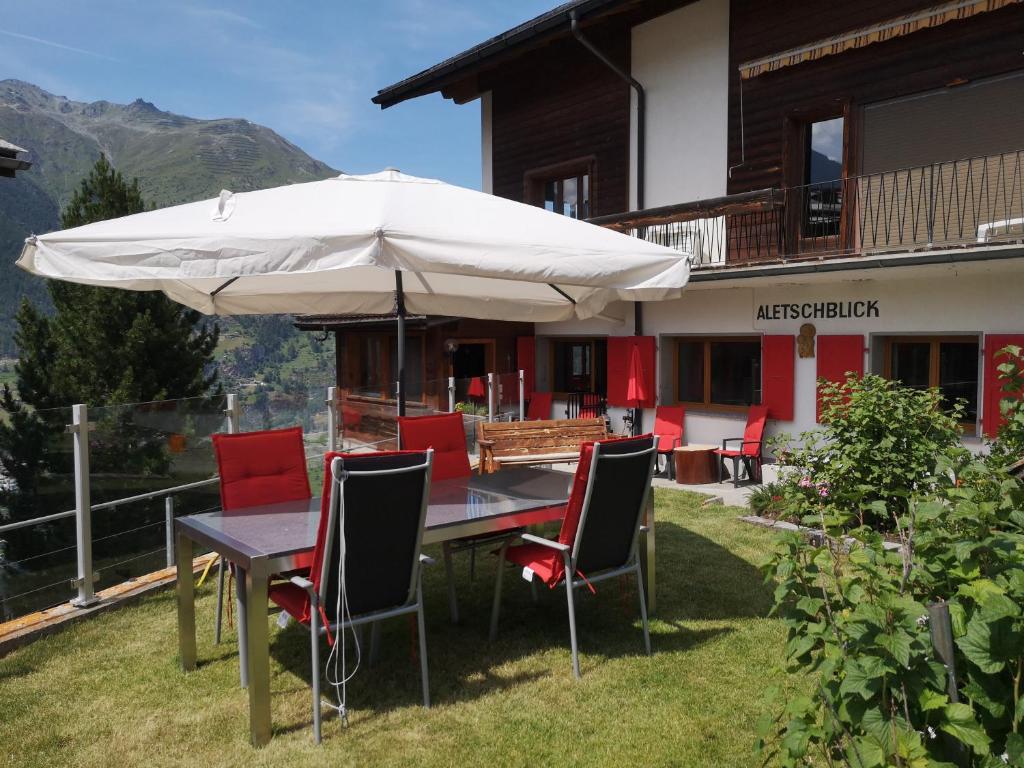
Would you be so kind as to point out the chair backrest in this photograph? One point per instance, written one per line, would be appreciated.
(668, 426)
(446, 434)
(540, 407)
(618, 482)
(754, 432)
(261, 467)
(385, 499)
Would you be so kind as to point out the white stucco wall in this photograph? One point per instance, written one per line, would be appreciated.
(969, 298)
(682, 61)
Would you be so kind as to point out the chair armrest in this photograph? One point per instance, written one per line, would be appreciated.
(307, 585)
(545, 542)
(485, 443)
(728, 440)
(427, 560)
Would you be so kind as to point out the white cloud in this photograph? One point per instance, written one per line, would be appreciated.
(222, 15)
(54, 44)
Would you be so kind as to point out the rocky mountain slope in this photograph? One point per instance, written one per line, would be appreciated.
(177, 159)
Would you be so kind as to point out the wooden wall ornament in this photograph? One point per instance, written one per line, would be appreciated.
(805, 341)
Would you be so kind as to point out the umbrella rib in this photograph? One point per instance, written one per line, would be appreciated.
(560, 291)
(221, 287)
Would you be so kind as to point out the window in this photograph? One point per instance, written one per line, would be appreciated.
(823, 170)
(718, 372)
(566, 188)
(949, 363)
(372, 365)
(579, 365)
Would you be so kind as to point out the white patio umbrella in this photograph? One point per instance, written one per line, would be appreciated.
(365, 244)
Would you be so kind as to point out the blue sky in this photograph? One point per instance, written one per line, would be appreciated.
(306, 69)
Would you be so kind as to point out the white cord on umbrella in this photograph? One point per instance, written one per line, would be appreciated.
(341, 612)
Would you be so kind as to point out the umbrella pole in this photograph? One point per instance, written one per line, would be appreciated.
(400, 313)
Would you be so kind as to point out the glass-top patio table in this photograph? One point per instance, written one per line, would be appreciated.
(263, 540)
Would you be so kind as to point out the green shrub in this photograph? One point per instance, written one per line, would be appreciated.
(877, 446)
(1009, 443)
(769, 500)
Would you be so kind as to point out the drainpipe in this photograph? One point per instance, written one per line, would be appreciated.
(641, 132)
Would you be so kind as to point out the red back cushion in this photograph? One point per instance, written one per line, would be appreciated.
(261, 467)
(540, 406)
(444, 433)
(755, 430)
(574, 509)
(668, 425)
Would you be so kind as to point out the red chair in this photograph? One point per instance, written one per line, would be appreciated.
(599, 535)
(540, 407)
(376, 503)
(446, 434)
(258, 468)
(750, 447)
(669, 426)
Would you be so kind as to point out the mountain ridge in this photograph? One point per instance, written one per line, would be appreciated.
(176, 158)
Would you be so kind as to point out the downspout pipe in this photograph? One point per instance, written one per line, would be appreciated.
(641, 132)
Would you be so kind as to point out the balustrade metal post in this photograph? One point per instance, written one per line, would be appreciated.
(234, 414)
(490, 397)
(332, 419)
(79, 427)
(522, 392)
(931, 204)
(451, 394)
(169, 523)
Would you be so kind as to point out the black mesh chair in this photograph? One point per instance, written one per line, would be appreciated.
(604, 543)
(373, 525)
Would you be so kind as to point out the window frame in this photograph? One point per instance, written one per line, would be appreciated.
(535, 179)
(707, 341)
(555, 341)
(355, 365)
(970, 427)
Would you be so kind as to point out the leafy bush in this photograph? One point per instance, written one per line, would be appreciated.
(768, 500)
(471, 409)
(1009, 444)
(877, 446)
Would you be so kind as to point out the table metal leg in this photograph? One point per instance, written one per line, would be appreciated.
(647, 555)
(258, 642)
(186, 602)
(241, 603)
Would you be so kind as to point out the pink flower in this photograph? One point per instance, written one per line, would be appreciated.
(823, 491)
(805, 482)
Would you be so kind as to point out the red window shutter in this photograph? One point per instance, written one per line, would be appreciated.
(993, 393)
(778, 353)
(838, 355)
(619, 350)
(526, 359)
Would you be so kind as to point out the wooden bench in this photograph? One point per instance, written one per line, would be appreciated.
(548, 441)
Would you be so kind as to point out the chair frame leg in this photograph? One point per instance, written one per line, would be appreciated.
(736, 472)
(219, 619)
(721, 466)
(453, 602)
(533, 591)
(374, 643)
(496, 606)
(314, 656)
(569, 589)
(643, 608)
(421, 630)
(243, 631)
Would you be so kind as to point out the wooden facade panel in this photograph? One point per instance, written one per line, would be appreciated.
(561, 104)
(958, 51)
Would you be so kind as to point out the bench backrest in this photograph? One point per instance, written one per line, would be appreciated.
(547, 436)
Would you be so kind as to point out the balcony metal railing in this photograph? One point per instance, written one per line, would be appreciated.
(960, 203)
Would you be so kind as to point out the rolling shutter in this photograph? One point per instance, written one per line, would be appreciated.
(836, 356)
(992, 385)
(526, 359)
(778, 365)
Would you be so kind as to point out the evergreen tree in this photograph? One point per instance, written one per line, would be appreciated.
(101, 346)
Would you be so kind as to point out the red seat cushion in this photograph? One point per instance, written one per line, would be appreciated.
(292, 599)
(545, 562)
(728, 452)
(540, 407)
(444, 433)
(668, 426)
(754, 432)
(261, 467)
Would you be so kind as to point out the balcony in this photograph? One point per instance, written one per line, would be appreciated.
(969, 204)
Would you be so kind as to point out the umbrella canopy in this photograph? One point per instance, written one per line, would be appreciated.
(636, 385)
(335, 247)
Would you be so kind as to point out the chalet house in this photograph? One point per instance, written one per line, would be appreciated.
(848, 177)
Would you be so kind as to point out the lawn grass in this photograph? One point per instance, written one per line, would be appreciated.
(108, 692)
